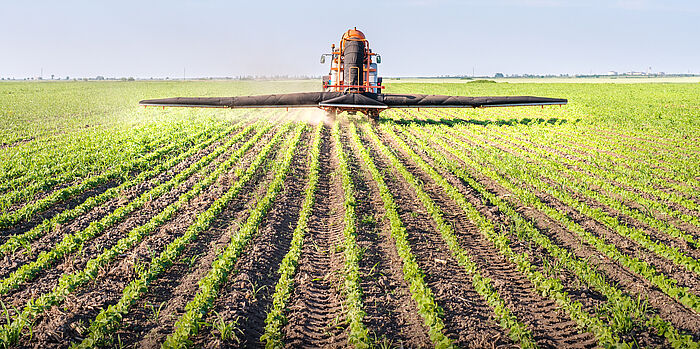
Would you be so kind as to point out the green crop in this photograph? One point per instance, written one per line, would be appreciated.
(599, 198)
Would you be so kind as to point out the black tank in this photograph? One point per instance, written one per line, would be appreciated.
(354, 57)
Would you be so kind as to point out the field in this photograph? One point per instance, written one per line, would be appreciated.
(574, 226)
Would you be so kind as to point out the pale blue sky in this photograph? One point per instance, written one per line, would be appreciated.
(415, 37)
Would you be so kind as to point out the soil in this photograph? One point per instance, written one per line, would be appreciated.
(315, 315)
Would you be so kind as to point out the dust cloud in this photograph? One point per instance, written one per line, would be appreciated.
(313, 116)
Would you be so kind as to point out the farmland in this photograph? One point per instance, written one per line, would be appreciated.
(572, 226)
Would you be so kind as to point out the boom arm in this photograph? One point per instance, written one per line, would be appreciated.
(352, 101)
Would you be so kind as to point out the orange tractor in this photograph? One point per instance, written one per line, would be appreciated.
(353, 70)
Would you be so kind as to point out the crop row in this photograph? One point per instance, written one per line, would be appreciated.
(550, 287)
(516, 329)
(658, 202)
(622, 173)
(164, 145)
(531, 172)
(626, 309)
(53, 161)
(72, 242)
(552, 137)
(660, 159)
(121, 170)
(110, 318)
(72, 281)
(580, 183)
(195, 311)
(428, 308)
(650, 140)
(611, 140)
(288, 267)
(358, 336)
(639, 168)
(528, 198)
(50, 163)
(49, 224)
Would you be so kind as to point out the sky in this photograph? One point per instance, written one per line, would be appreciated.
(216, 38)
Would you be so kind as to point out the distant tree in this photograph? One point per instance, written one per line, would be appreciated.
(131, 79)
(99, 77)
(51, 76)
(498, 75)
(67, 77)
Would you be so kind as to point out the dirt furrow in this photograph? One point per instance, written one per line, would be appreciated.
(315, 312)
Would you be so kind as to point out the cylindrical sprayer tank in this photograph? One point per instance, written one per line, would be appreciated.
(354, 58)
(353, 47)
